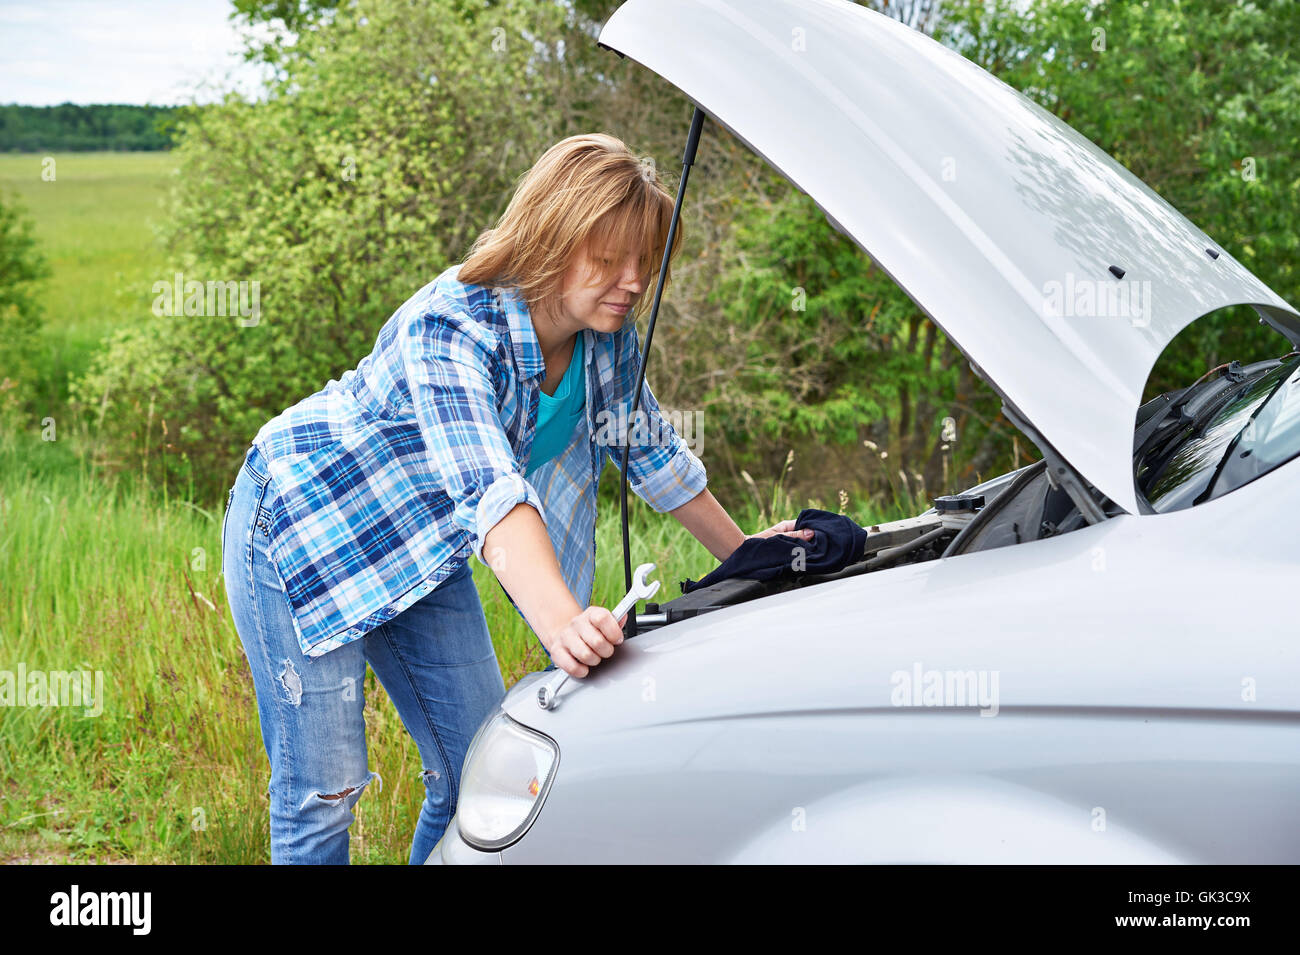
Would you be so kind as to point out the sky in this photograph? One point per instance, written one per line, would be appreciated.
(129, 51)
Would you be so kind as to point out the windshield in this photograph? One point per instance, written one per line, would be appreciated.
(1256, 428)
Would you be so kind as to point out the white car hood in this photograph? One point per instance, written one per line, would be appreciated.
(996, 217)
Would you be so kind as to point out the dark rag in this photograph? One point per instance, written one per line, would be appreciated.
(837, 542)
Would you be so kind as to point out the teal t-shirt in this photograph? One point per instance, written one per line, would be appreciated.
(559, 414)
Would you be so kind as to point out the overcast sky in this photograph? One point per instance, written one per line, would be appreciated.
(131, 51)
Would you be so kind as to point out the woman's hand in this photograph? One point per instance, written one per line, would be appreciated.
(524, 561)
(785, 527)
(585, 640)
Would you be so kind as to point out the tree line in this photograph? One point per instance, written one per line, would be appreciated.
(71, 128)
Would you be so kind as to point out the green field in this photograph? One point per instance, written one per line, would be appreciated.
(95, 223)
(120, 578)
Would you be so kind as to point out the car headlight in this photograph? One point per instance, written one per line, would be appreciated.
(508, 770)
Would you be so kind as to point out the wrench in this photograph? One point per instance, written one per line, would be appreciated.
(641, 590)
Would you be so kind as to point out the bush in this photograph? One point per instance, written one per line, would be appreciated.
(831, 356)
(22, 267)
(377, 158)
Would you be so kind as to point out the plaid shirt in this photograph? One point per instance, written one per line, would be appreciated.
(385, 480)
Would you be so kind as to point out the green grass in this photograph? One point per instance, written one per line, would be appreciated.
(95, 224)
(106, 577)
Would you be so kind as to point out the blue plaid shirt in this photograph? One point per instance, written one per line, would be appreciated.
(384, 481)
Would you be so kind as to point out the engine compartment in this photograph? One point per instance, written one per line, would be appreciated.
(1019, 506)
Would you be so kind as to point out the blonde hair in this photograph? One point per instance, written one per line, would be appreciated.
(585, 189)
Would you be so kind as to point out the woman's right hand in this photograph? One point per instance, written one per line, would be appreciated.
(584, 641)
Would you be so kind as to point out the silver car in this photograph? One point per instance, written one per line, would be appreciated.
(1090, 659)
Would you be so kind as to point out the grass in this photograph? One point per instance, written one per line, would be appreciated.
(106, 577)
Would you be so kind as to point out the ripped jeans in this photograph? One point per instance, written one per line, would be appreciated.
(434, 659)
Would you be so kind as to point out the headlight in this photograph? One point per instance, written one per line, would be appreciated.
(508, 771)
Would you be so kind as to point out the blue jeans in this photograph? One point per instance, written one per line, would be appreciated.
(434, 659)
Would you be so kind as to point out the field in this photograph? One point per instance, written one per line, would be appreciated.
(119, 579)
(95, 223)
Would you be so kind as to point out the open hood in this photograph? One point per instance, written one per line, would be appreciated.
(1055, 270)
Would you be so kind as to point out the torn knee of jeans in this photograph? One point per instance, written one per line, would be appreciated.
(348, 795)
(429, 774)
(291, 682)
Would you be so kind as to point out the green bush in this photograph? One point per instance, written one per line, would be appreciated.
(22, 267)
(377, 158)
(835, 356)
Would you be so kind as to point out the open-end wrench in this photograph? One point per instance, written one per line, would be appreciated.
(641, 590)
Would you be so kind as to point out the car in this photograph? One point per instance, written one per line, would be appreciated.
(1087, 660)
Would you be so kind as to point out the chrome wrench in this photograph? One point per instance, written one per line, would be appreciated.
(641, 590)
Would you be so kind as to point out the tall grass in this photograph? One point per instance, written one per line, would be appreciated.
(109, 577)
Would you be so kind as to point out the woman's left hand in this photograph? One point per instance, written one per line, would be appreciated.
(785, 527)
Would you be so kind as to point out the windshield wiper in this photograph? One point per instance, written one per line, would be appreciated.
(1231, 449)
(1229, 374)
(1195, 409)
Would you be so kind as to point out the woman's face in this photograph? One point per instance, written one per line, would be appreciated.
(589, 300)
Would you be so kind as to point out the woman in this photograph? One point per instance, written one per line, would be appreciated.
(348, 530)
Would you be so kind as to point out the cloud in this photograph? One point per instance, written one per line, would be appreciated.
(148, 51)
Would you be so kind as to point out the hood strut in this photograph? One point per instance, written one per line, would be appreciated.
(688, 158)
(1059, 471)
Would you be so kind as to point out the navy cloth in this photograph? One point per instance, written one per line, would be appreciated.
(837, 542)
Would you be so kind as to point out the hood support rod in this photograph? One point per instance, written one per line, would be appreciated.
(688, 159)
(1059, 471)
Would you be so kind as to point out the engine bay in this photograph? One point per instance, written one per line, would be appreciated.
(1016, 507)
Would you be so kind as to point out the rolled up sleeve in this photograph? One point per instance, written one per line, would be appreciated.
(448, 362)
(663, 471)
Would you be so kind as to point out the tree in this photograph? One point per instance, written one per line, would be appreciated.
(371, 166)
